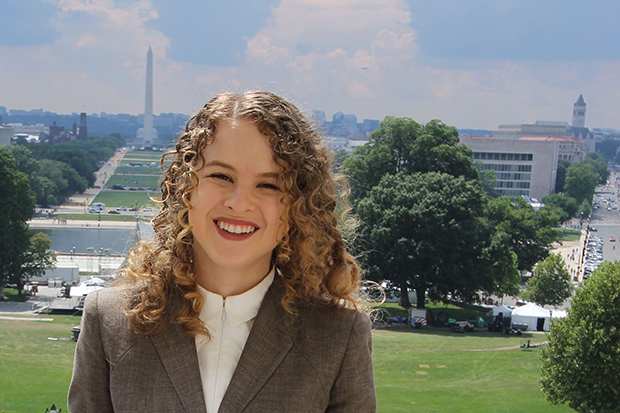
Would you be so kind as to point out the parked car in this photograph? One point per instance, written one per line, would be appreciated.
(121, 208)
(612, 239)
(113, 212)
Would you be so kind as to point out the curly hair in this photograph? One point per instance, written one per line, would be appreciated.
(311, 258)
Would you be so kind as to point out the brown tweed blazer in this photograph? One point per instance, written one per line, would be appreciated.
(317, 361)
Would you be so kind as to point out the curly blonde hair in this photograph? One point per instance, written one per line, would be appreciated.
(311, 258)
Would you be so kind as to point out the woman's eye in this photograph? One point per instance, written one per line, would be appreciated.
(267, 185)
(223, 177)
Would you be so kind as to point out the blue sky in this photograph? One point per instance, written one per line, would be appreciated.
(472, 64)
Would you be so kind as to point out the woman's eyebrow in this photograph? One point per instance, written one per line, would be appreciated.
(220, 164)
(274, 175)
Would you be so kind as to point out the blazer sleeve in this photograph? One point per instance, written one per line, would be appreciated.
(90, 385)
(354, 388)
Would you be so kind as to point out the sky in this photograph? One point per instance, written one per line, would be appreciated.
(472, 64)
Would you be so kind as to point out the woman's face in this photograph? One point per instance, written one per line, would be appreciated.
(237, 207)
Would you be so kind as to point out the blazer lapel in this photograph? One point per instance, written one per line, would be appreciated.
(177, 352)
(265, 349)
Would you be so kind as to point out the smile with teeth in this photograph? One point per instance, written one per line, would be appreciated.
(236, 229)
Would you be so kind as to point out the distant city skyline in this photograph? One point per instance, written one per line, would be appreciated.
(473, 65)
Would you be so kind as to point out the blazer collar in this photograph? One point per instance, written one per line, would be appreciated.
(177, 352)
(265, 349)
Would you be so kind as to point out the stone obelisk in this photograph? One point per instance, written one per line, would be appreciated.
(148, 101)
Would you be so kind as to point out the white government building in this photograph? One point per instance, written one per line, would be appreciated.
(525, 157)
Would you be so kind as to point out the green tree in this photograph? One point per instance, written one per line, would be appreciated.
(487, 179)
(580, 182)
(597, 162)
(403, 145)
(33, 261)
(16, 208)
(567, 206)
(560, 176)
(550, 283)
(426, 231)
(581, 363)
(532, 233)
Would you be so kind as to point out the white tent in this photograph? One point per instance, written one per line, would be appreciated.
(536, 318)
(558, 314)
(504, 309)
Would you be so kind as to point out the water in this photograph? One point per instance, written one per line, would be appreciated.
(119, 241)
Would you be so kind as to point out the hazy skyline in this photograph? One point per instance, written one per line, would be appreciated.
(472, 64)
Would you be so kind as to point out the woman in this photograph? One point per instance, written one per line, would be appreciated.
(247, 299)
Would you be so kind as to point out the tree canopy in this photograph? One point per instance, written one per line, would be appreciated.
(550, 282)
(532, 233)
(403, 145)
(16, 208)
(581, 363)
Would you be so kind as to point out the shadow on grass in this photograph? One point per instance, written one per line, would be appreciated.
(11, 296)
(447, 332)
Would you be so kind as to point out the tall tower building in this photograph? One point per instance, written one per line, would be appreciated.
(83, 133)
(579, 113)
(148, 100)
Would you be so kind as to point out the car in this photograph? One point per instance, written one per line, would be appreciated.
(93, 210)
(133, 209)
(113, 212)
(593, 229)
(121, 208)
(612, 239)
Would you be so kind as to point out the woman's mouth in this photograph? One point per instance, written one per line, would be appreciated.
(235, 228)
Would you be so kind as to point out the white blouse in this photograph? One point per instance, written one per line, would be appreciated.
(229, 321)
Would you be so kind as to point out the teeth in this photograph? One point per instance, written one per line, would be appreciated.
(236, 229)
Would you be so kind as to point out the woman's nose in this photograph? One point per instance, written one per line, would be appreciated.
(240, 199)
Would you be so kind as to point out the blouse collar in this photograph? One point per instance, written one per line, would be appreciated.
(239, 308)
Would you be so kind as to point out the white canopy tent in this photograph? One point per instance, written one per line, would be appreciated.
(536, 318)
(504, 309)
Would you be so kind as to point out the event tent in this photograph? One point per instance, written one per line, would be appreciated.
(536, 318)
(504, 309)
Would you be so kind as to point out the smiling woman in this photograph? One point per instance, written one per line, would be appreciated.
(248, 288)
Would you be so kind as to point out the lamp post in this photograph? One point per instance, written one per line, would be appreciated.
(99, 223)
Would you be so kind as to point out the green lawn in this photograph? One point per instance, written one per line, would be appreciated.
(143, 155)
(570, 235)
(135, 181)
(35, 371)
(436, 370)
(104, 217)
(427, 370)
(113, 199)
(140, 170)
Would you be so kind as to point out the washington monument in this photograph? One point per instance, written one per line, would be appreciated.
(148, 101)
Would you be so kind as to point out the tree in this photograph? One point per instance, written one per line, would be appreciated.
(16, 208)
(531, 233)
(580, 365)
(567, 206)
(487, 179)
(580, 182)
(550, 283)
(403, 145)
(560, 176)
(597, 162)
(33, 261)
(427, 233)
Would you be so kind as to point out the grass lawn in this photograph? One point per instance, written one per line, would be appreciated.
(10, 294)
(570, 235)
(113, 199)
(427, 370)
(135, 181)
(104, 217)
(141, 170)
(35, 371)
(437, 370)
(143, 155)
